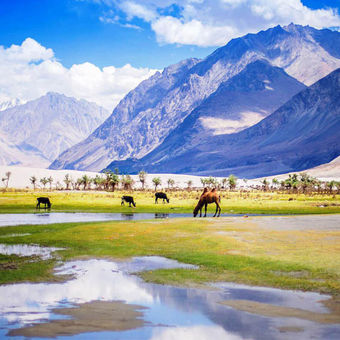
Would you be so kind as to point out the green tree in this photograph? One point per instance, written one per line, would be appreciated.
(67, 180)
(171, 183)
(127, 182)
(50, 181)
(189, 184)
(156, 182)
(5, 179)
(265, 184)
(275, 182)
(78, 183)
(211, 181)
(85, 181)
(204, 182)
(98, 181)
(33, 181)
(111, 180)
(142, 178)
(232, 182)
(337, 184)
(44, 181)
(330, 185)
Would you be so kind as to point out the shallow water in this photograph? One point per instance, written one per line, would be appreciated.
(49, 218)
(172, 313)
(44, 253)
(59, 217)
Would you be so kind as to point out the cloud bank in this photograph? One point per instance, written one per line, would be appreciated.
(214, 22)
(30, 70)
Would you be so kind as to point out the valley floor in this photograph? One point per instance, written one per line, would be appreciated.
(292, 252)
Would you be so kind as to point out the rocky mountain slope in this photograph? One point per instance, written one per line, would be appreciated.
(35, 133)
(146, 116)
(10, 103)
(301, 134)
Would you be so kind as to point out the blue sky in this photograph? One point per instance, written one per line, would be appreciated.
(113, 44)
(76, 34)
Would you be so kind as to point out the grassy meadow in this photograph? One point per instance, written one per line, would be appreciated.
(225, 249)
(180, 202)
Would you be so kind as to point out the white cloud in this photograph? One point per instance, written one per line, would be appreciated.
(173, 30)
(30, 70)
(215, 22)
(133, 9)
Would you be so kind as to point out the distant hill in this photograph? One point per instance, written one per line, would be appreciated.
(149, 113)
(35, 133)
(302, 133)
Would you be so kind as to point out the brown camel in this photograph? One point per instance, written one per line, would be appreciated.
(206, 198)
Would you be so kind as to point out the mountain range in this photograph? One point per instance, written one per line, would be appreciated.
(196, 101)
(35, 133)
(302, 133)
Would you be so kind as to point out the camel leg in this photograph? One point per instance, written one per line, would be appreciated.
(201, 212)
(216, 209)
(205, 206)
(219, 209)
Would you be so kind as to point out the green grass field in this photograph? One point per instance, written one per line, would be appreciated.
(225, 249)
(180, 202)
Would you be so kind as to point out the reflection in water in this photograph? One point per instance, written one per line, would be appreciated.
(127, 217)
(49, 218)
(28, 250)
(161, 215)
(172, 312)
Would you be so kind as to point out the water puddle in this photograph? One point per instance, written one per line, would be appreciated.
(126, 307)
(44, 253)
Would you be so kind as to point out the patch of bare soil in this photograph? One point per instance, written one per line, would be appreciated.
(93, 316)
(287, 312)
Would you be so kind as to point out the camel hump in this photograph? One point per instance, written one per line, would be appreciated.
(205, 190)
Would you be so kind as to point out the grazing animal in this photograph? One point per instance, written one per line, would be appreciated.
(161, 195)
(206, 198)
(45, 201)
(128, 199)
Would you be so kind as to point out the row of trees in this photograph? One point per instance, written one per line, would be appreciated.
(110, 181)
(301, 183)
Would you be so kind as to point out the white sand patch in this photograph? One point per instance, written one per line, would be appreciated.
(222, 126)
(20, 178)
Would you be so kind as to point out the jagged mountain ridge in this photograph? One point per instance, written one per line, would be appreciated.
(45, 127)
(10, 103)
(146, 116)
(301, 134)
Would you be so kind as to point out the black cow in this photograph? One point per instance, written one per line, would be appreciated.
(45, 201)
(161, 195)
(128, 199)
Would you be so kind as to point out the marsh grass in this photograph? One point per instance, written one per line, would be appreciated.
(224, 250)
(180, 202)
